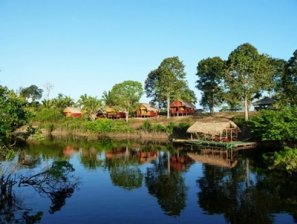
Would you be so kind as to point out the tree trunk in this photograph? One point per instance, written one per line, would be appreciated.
(127, 116)
(246, 110)
(168, 107)
(211, 110)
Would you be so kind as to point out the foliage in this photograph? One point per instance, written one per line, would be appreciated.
(107, 98)
(278, 66)
(127, 95)
(32, 92)
(289, 81)
(49, 115)
(284, 160)
(90, 105)
(248, 73)
(60, 102)
(180, 131)
(13, 114)
(167, 83)
(210, 72)
(106, 126)
(272, 125)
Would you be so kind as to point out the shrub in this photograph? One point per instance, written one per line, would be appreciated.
(49, 115)
(146, 126)
(272, 125)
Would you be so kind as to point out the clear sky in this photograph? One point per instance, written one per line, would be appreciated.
(87, 46)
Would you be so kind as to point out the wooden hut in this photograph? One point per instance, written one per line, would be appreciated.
(72, 112)
(181, 108)
(111, 113)
(224, 130)
(265, 103)
(215, 157)
(146, 110)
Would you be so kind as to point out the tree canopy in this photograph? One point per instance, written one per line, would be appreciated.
(248, 73)
(289, 81)
(32, 92)
(90, 105)
(210, 74)
(168, 82)
(126, 95)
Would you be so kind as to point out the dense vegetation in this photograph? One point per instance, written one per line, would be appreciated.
(278, 126)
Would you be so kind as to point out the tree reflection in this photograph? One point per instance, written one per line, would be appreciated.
(166, 185)
(89, 158)
(127, 177)
(232, 192)
(57, 183)
(123, 168)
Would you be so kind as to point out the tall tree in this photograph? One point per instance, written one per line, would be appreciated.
(32, 92)
(210, 74)
(166, 82)
(151, 91)
(126, 95)
(248, 73)
(289, 80)
(90, 105)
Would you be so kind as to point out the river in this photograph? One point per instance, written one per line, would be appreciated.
(131, 182)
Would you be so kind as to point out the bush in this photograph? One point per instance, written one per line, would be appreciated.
(106, 126)
(49, 115)
(180, 130)
(272, 125)
(146, 126)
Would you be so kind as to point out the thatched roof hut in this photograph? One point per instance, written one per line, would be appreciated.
(214, 160)
(220, 130)
(146, 110)
(265, 103)
(72, 112)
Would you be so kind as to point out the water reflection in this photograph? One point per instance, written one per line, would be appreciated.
(245, 198)
(231, 185)
(56, 182)
(167, 186)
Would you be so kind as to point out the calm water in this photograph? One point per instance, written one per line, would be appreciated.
(128, 182)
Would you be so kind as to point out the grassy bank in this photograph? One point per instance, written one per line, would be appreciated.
(53, 122)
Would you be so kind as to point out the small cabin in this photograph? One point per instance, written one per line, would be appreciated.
(265, 103)
(221, 131)
(72, 112)
(181, 108)
(111, 113)
(146, 110)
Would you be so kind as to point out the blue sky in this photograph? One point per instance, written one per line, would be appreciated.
(87, 46)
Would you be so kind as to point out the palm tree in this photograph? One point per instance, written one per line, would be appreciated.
(89, 105)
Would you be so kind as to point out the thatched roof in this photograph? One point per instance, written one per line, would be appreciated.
(215, 161)
(73, 110)
(265, 101)
(149, 107)
(212, 127)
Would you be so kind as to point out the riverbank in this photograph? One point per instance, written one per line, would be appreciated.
(159, 129)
